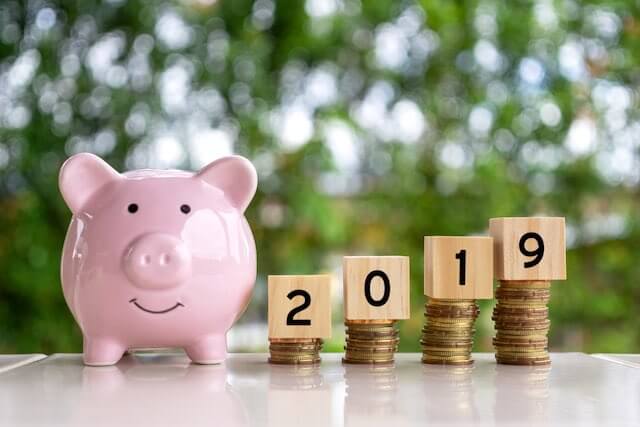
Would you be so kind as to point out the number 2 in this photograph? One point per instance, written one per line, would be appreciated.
(537, 253)
(462, 275)
(305, 304)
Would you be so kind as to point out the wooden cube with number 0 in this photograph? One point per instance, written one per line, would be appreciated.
(299, 306)
(458, 267)
(529, 248)
(376, 287)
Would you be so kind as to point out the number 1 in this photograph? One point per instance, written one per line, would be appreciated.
(462, 276)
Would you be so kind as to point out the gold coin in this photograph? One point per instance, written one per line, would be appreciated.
(451, 302)
(368, 362)
(371, 343)
(295, 340)
(370, 323)
(521, 310)
(296, 346)
(447, 360)
(527, 284)
(294, 359)
(389, 349)
(294, 362)
(427, 356)
(457, 322)
(386, 358)
(367, 329)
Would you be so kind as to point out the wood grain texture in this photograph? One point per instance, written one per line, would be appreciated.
(355, 270)
(280, 305)
(509, 259)
(442, 268)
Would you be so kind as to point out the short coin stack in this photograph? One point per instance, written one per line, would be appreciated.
(370, 341)
(295, 351)
(522, 322)
(447, 337)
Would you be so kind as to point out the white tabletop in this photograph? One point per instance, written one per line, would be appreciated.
(12, 361)
(159, 390)
(632, 360)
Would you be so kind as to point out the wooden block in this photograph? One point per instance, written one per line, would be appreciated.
(529, 248)
(299, 306)
(376, 287)
(458, 267)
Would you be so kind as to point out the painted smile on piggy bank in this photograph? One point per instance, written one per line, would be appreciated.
(157, 258)
(134, 301)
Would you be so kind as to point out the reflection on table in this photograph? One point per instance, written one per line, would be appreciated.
(167, 390)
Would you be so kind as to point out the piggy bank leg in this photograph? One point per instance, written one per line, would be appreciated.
(102, 351)
(209, 350)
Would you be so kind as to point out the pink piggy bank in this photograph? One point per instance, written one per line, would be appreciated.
(157, 258)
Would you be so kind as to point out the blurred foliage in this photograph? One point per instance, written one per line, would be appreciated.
(371, 124)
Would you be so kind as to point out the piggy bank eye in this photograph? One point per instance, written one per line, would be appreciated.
(185, 209)
(132, 208)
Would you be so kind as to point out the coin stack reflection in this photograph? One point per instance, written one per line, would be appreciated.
(450, 389)
(299, 377)
(526, 388)
(371, 394)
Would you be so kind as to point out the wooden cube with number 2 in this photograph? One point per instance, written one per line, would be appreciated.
(529, 248)
(299, 306)
(458, 267)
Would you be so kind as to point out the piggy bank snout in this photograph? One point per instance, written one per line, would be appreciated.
(157, 261)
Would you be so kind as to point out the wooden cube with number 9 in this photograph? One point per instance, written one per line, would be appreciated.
(299, 306)
(458, 267)
(529, 248)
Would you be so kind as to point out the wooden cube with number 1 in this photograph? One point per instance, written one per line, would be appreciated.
(458, 267)
(529, 248)
(299, 306)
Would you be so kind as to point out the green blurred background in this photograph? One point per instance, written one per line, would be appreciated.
(371, 125)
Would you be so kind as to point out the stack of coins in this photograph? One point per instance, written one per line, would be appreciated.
(447, 337)
(295, 351)
(522, 322)
(370, 341)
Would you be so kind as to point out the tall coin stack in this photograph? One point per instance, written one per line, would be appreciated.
(295, 351)
(447, 337)
(530, 253)
(370, 341)
(522, 322)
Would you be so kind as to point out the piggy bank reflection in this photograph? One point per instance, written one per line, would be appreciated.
(165, 394)
(156, 258)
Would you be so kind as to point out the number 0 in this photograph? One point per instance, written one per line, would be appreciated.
(537, 253)
(367, 288)
(305, 304)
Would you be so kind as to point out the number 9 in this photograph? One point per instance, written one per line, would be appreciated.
(537, 253)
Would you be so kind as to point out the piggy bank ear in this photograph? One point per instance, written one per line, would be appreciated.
(81, 176)
(235, 176)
